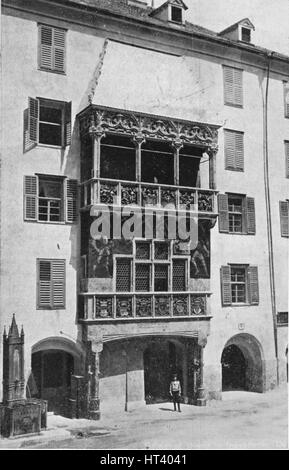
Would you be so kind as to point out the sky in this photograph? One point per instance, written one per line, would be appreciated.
(270, 18)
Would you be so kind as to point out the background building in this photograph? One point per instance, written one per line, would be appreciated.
(118, 103)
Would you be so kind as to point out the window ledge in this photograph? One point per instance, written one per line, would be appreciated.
(60, 147)
(234, 105)
(58, 72)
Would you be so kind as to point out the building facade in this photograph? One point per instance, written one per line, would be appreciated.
(144, 203)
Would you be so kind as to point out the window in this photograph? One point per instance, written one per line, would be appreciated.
(234, 150)
(50, 199)
(287, 158)
(47, 122)
(151, 269)
(176, 14)
(51, 283)
(236, 214)
(284, 218)
(286, 99)
(239, 285)
(52, 48)
(233, 86)
(235, 205)
(245, 34)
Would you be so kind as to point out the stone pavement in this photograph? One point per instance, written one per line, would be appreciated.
(216, 418)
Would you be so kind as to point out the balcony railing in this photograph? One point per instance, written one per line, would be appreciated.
(128, 193)
(149, 305)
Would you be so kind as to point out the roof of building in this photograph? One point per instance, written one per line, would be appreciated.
(244, 22)
(142, 13)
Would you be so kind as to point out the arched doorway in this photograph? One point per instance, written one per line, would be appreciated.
(162, 359)
(53, 362)
(242, 364)
(233, 369)
(52, 370)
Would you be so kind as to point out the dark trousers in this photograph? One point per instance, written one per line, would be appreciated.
(176, 400)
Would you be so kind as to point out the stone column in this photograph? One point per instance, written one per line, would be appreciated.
(212, 152)
(201, 394)
(96, 132)
(138, 140)
(93, 360)
(177, 145)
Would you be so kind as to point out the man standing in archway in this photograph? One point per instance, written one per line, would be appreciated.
(175, 392)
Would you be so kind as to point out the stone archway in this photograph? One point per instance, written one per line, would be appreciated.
(53, 362)
(243, 364)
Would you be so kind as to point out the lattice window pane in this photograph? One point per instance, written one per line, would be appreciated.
(123, 275)
(179, 275)
(161, 278)
(161, 250)
(142, 250)
(142, 277)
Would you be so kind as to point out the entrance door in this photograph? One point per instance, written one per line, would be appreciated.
(52, 371)
(233, 369)
(160, 363)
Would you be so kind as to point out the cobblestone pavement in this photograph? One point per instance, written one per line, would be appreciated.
(241, 420)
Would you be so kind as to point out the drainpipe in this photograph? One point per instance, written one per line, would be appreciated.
(268, 214)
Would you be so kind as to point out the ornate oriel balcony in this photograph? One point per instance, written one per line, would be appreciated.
(134, 306)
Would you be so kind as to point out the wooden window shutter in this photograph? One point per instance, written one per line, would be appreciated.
(67, 124)
(233, 86)
(250, 216)
(234, 150)
(253, 285)
(223, 213)
(286, 98)
(46, 47)
(58, 283)
(30, 198)
(59, 49)
(33, 119)
(226, 285)
(287, 158)
(44, 284)
(70, 200)
(228, 85)
(284, 218)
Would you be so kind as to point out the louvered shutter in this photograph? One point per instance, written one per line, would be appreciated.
(234, 150)
(70, 200)
(284, 218)
(58, 283)
(44, 284)
(33, 119)
(286, 98)
(226, 285)
(287, 158)
(67, 124)
(46, 47)
(59, 49)
(223, 213)
(30, 198)
(253, 285)
(233, 86)
(250, 216)
(123, 275)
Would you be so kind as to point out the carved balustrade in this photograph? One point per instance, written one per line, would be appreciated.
(138, 305)
(129, 193)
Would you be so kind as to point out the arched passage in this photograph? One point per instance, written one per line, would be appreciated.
(242, 364)
(53, 362)
(162, 359)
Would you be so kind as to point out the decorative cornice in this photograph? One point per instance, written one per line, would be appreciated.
(97, 119)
